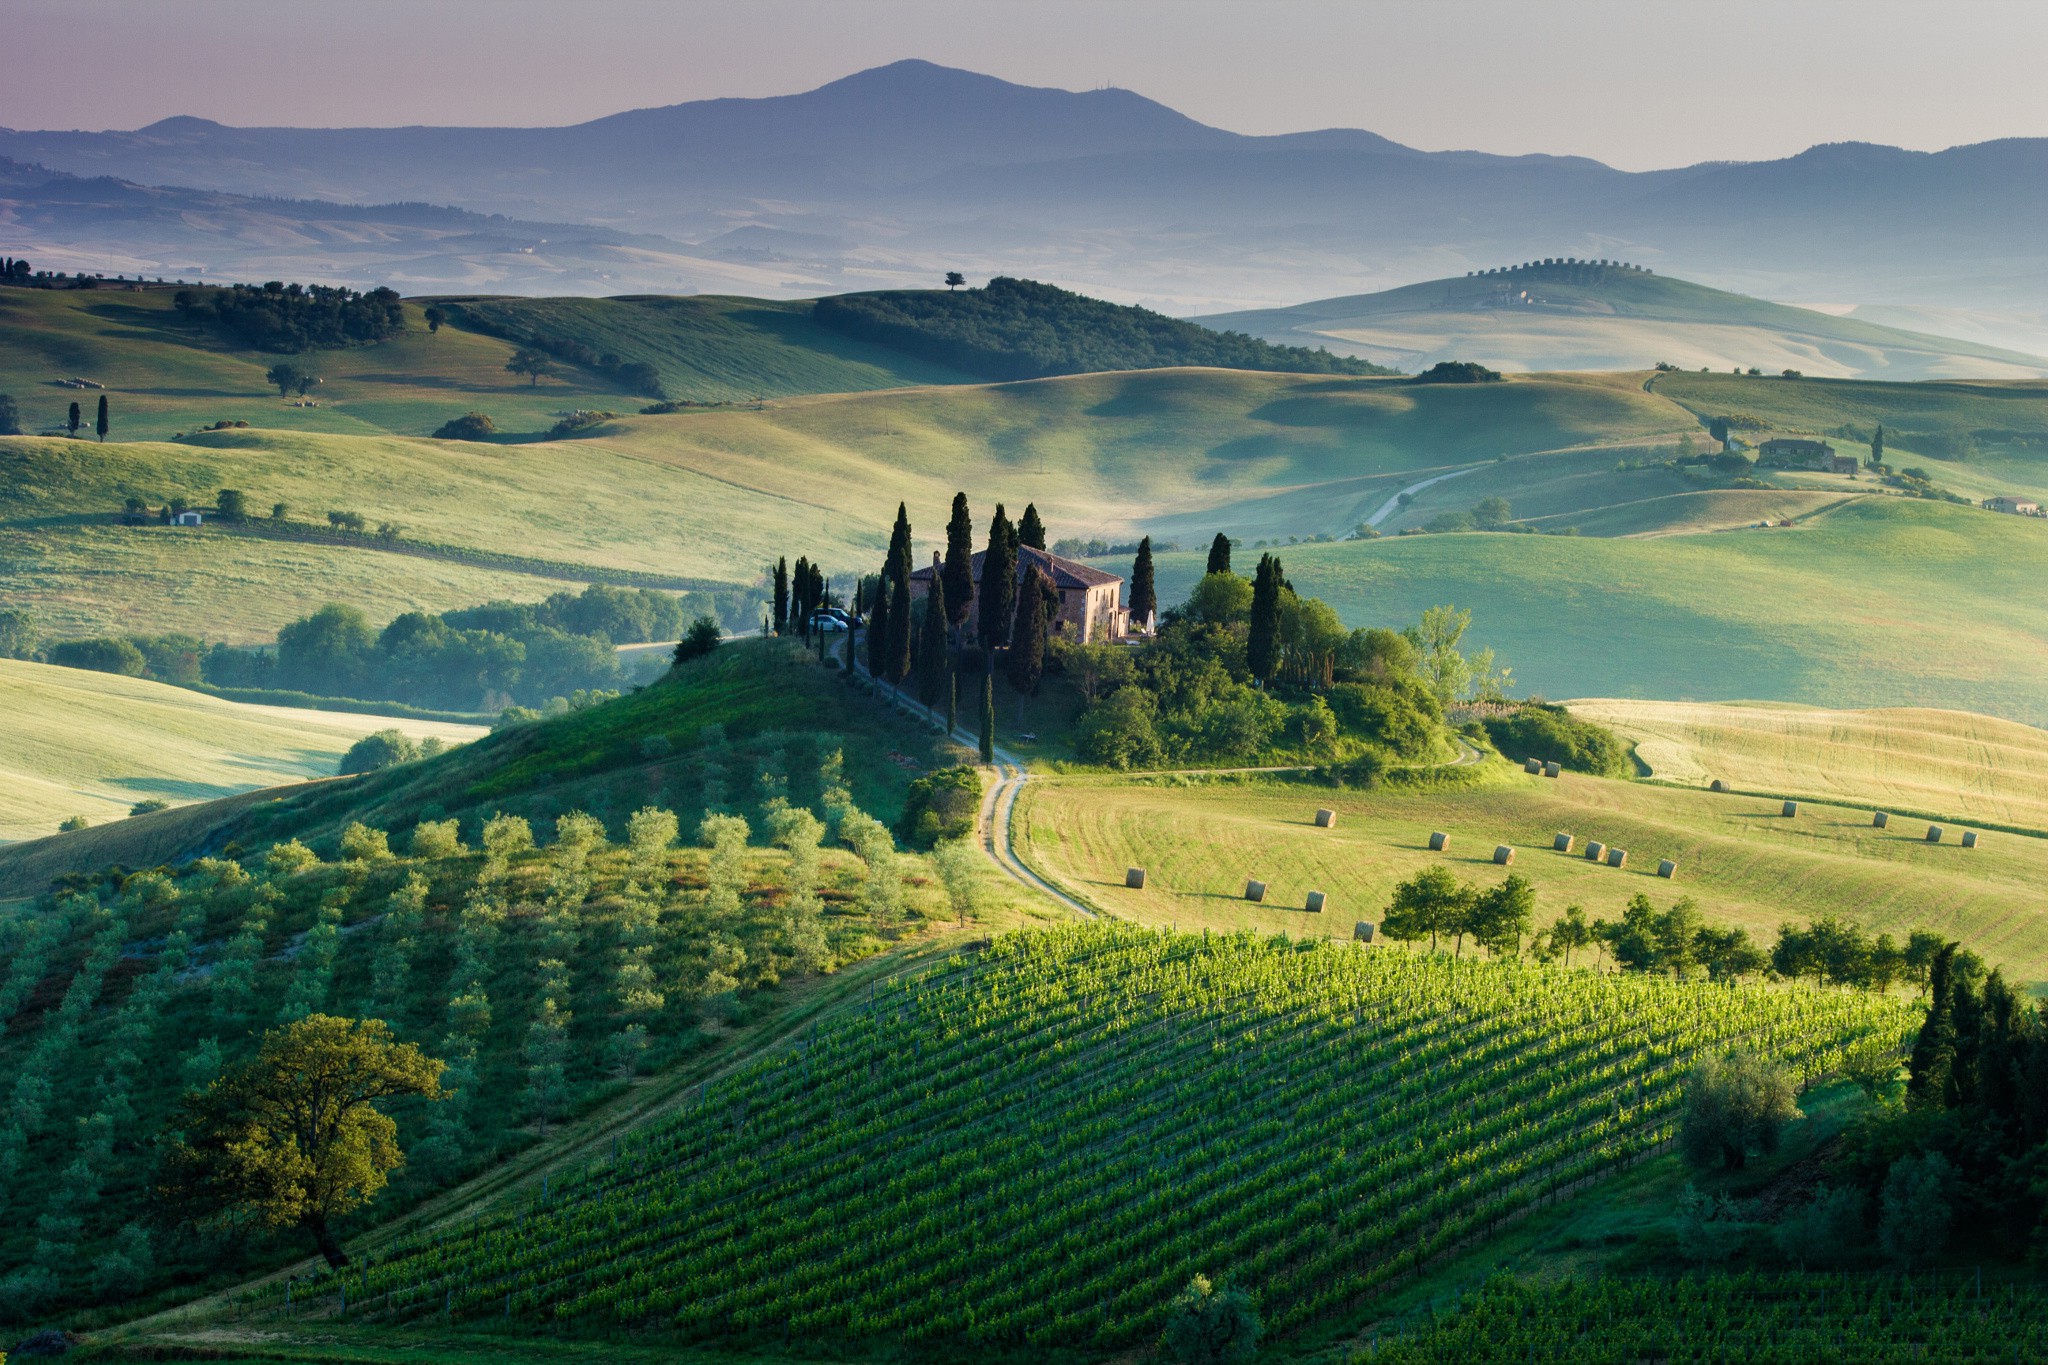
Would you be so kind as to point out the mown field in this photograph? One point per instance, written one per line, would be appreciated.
(94, 744)
(1738, 857)
(1878, 602)
(1949, 764)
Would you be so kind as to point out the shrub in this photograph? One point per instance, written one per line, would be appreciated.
(376, 751)
(1547, 731)
(436, 839)
(1207, 1325)
(361, 843)
(941, 805)
(703, 636)
(289, 858)
(148, 807)
(74, 822)
(99, 656)
(471, 426)
(17, 633)
(1916, 1207)
(1733, 1107)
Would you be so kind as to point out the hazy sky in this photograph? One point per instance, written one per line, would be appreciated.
(1637, 84)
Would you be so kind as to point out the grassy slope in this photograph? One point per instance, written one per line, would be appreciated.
(1949, 764)
(165, 374)
(609, 760)
(77, 743)
(1625, 321)
(716, 494)
(1883, 601)
(1742, 861)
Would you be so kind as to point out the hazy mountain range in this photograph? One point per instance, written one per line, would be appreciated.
(890, 175)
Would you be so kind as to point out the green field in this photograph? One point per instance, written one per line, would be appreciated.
(1743, 862)
(1948, 764)
(1879, 602)
(93, 744)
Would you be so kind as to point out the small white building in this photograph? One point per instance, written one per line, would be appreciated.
(2022, 506)
(186, 519)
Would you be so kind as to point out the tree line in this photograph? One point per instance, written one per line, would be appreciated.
(1021, 329)
(293, 317)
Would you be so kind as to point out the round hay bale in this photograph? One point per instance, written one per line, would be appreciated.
(1791, 808)
(1503, 855)
(1532, 765)
(1717, 785)
(1316, 901)
(1617, 857)
(1880, 820)
(1595, 850)
(1667, 869)
(1255, 890)
(1969, 838)
(1134, 878)
(1326, 819)
(1562, 842)
(1362, 931)
(1934, 834)
(1552, 768)
(1439, 841)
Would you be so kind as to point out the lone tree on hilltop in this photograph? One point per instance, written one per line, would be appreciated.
(435, 317)
(1219, 555)
(1144, 597)
(294, 1136)
(959, 567)
(531, 363)
(100, 423)
(1031, 531)
(954, 279)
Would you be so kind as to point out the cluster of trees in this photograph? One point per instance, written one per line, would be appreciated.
(1021, 329)
(474, 658)
(1243, 669)
(1540, 729)
(1435, 905)
(1074, 547)
(1457, 372)
(294, 317)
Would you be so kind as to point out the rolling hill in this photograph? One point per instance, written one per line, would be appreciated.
(94, 744)
(1597, 316)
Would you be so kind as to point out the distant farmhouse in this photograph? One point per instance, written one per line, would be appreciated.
(2024, 507)
(1795, 452)
(1091, 601)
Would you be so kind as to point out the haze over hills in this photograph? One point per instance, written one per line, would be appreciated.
(891, 174)
(1601, 316)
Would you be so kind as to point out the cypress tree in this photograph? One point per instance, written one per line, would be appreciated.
(1219, 554)
(1144, 598)
(75, 419)
(998, 587)
(931, 650)
(800, 604)
(1031, 531)
(899, 540)
(902, 628)
(1262, 648)
(1877, 445)
(100, 424)
(952, 702)
(988, 717)
(878, 623)
(959, 570)
(1027, 636)
(782, 595)
(1934, 1049)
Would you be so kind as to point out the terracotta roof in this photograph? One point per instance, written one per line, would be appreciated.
(1065, 573)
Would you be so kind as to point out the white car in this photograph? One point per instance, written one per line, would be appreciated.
(828, 621)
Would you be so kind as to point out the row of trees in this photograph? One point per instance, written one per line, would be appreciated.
(293, 317)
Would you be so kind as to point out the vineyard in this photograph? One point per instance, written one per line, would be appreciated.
(1763, 1319)
(1042, 1143)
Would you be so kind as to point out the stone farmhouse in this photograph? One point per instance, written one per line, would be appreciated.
(1091, 601)
(2025, 507)
(1793, 452)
